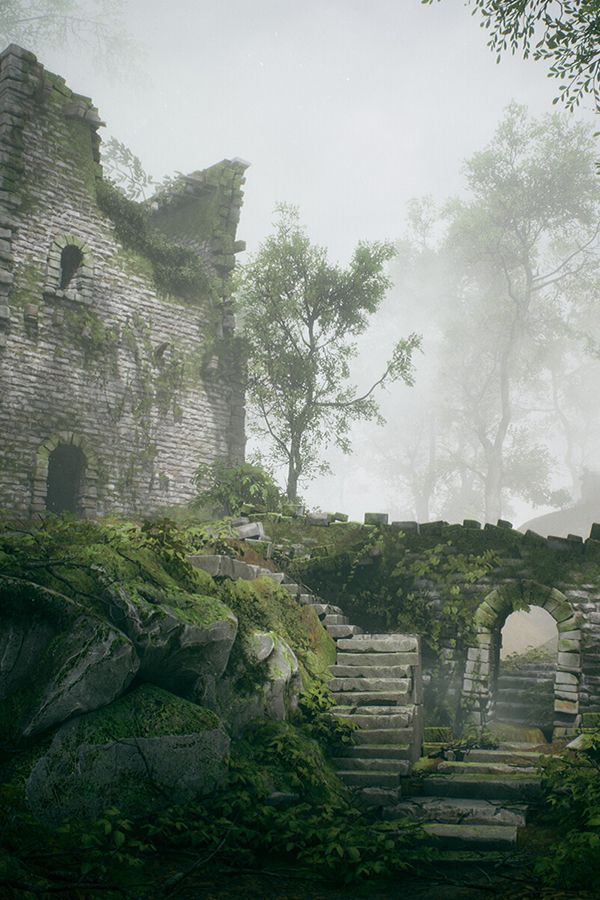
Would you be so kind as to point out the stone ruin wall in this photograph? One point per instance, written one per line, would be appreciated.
(561, 575)
(136, 380)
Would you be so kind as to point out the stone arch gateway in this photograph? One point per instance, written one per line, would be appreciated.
(481, 667)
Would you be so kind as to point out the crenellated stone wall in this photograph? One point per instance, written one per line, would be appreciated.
(141, 381)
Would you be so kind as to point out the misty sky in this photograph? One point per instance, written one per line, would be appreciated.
(346, 108)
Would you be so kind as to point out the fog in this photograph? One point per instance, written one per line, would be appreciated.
(349, 109)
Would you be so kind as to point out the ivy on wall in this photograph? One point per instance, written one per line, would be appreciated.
(177, 270)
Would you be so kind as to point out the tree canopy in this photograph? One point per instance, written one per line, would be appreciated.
(565, 33)
(505, 282)
(300, 313)
(97, 25)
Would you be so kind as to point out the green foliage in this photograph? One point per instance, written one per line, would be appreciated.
(300, 314)
(97, 25)
(231, 488)
(124, 169)
(571, 786)
(314, 713)
(318, 828)
(177, 270)
(564, 34)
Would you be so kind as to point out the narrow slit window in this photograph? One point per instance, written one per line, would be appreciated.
(71, 259)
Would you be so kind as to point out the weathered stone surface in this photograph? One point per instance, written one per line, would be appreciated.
(278, 694)
(380, 643)
(48, 675)
(184, 649)
(91, 368)
(261, 645)
(376, 518)
(252, 531)
(146, 751)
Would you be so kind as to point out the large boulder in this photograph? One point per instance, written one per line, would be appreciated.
(274, 687)
(146, 751)
(54, 668)
(183, 641)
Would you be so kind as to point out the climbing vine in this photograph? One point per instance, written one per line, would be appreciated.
(176, 269)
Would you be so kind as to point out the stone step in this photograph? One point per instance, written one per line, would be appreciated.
(518, 746)
(335, 619)
(291, 588)
(305, 599)
(482, 787)
(457, 811)
(536, 667)
(381, 643)
(342, 631)
(472, 837)
(374, 659)
(378, 751)
(276, 576)
(484, 768)
(378, 723)
(389, 736)
(372, 778)
(377, 797)
(505, 710)
(349, 708)
(512, 757)
(325, 609)
(359, 764)
(402, 686)
(372, 697)
(516, 684)
(370, 671)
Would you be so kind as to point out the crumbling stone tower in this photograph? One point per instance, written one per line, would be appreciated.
(120, 370)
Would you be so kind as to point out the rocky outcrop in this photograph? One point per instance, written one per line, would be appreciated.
(147, 750)
(277, 694)
(183, 646)
(50, 673)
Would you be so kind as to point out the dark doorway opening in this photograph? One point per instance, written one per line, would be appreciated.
(66, 467)
(70, 260)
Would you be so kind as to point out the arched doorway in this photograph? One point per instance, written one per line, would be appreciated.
(64, 483)
(525, 687)
(483, 656)
(65, 476)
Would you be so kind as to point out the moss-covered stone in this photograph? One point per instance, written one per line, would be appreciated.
(145, 751)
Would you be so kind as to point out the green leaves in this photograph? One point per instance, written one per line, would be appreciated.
(300, 316)
(564, 34)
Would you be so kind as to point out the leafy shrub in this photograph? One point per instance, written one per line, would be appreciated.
(314, 713)
(231, 488)
(572, 805)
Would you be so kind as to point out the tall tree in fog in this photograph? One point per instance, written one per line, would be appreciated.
(300, 314)
(522, 248)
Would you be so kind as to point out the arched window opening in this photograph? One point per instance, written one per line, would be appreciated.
(66, 468)
(71, 259)
(525, 686)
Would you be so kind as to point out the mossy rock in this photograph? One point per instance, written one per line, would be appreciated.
(53, 670)
(144, 752)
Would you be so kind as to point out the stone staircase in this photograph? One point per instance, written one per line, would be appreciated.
(521, 692)
(477, 804)
(376, 684)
